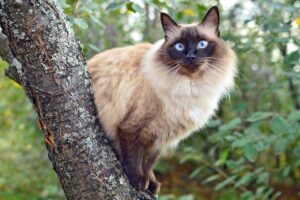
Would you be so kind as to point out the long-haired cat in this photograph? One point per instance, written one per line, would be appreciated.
(150, 97)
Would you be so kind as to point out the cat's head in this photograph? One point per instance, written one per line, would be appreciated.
(194, 48)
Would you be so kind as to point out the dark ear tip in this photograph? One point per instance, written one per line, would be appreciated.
(215, 8)
(212, 17)
(163, 14)
(165, 18)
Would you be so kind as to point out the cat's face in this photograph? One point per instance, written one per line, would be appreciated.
(192, 48)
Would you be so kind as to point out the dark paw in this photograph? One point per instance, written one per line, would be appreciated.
(154, 187)
(139, 182)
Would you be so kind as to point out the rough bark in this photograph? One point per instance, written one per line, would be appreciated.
(55, 79)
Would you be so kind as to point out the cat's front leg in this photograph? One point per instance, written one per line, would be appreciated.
(148, 164)
(132, 154)
(154, 185)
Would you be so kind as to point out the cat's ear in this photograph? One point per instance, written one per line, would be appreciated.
(167, 23)
(212, 19)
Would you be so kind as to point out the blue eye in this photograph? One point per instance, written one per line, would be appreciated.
(179, 46)
(202, 44)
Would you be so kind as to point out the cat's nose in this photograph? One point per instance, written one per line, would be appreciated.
(190, 56)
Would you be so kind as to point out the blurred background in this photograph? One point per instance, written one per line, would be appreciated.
(249, 151)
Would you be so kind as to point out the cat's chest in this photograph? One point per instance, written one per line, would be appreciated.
(191, 111)
(184, 114)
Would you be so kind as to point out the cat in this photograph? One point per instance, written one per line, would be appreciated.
(151, 96)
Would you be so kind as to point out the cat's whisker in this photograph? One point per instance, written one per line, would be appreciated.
(175, 71)
(213, 58)
(220, 71)
(174, 68)
(216, 68)
(216, 61)
(168, 70)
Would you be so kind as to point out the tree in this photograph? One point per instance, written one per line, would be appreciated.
(54, 77)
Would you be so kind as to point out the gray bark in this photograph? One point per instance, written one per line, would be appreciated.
(54, 77)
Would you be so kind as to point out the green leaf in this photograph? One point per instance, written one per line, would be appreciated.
(283, 39)
(230, 125)
(296, 151)
(276, 195)
(230, 138)
(239, 169)
(129, 6)
(164, 167)
(167, 197)
(239, 143)
(224, 156)
(294, 116)
(247, 196)
(81, 23)
(187, 197)
(211, 178)
(259, 116)
(214, 123)
(279, 125)
(247, 178)
(195, 173)
(86, 10)
(225, 183)
(281, 145)
(286, 171)
(232, 164)
(114, 6)
(263, 178)
(250, 152)
(63, 4)
(190, 157)
(138, 8)
(259, 170)
(97, 21)
(95, 48)
(260, 191)
(292, 59)
(268, 193)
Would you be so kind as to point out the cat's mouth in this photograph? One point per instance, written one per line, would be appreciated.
(192, 67)
(189, 69)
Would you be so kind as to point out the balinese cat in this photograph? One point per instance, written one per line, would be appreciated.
(150, 97)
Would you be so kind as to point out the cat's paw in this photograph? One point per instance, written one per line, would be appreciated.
(139, 182)
(154, 187)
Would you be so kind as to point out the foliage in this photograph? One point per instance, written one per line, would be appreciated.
(250, 150)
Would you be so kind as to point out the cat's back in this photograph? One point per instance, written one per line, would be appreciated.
(116, 77)
(122, 57)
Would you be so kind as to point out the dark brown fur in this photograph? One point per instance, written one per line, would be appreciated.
(194, 34)
(136, 141)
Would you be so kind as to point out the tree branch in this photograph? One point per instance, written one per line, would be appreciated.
(15, 68)
(55, 79)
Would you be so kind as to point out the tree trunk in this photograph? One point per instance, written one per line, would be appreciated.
(55, 79)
